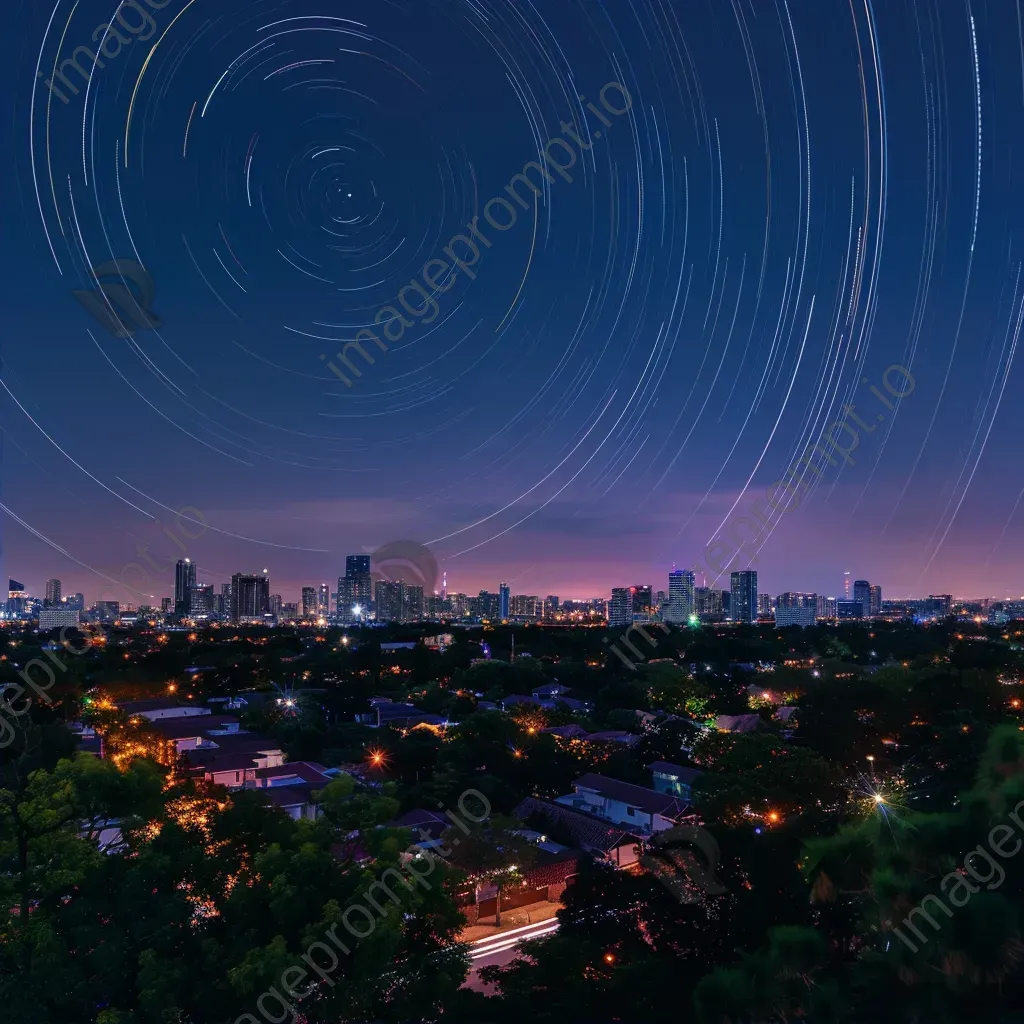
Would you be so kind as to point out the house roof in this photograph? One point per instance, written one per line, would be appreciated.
(231, 762)
(647, 800)
(587, 830)
(138, 707)
(675, 771)
(550, 690)
(190, 725)
(308, 771)
(287, 796)
(573, 731)
(435, 825)
(519, 698)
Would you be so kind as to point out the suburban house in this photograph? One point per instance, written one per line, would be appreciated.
(155, 710)
(674, 779)
(605, 842)
(384, 713)
(191, 731)
(643, 810)
(234, 759)
(549, 691)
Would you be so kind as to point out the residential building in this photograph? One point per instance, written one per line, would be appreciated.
(875, 602)
(250, 597)
(355, 588)
(681, 596)
(310, 603)
(202, 601)
(743, 596)
(674, 779)
(57, 618)
(620, 608)
(323, 601)
(503, 594)
(708, 603)
(644, 810)
(862, 595)
(796, 609)
(52, 599)
(643, 603)
(184, 584)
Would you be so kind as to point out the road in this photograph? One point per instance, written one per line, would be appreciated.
(500, 949)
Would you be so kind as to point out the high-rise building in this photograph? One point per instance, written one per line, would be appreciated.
(743, 596)
(76, 602)
(708, 602)
(551, 606)
(620, 608)
(52, 599)
(503, 601)
(849, 609)
(388, 598)
(57, 618)
(166, 604)
(681, 596)
(875, 608)
(310, 603)
(108, 611)
(276, 605)
(862, 594)
(826, 607)
(184, 584)
(796, 609)
(355, 588)
(643, 603)
(412, 602)
(202, 601)
(765, 605)
(323, 601)
(250, 596)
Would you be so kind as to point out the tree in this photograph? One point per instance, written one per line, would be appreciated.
(493, 852)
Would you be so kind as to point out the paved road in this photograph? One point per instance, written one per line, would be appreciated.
(500, 949)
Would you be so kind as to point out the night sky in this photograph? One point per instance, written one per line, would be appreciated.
(793, 197)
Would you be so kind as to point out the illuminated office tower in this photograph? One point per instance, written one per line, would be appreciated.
(310, 602)
(862, 595)
(743, 596)
(184, 584)
(503, 594)
(875, 608)
(52, 594)
(681, 598)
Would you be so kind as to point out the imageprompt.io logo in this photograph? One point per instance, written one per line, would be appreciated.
(123, 299)
(684, 859)
(405, 560)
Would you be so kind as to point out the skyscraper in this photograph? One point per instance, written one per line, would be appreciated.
(250, 596)
(388, 596)
(743, 596)
(52, 594)
(309, 603)
(184, 584)
(355, 588)
(643, 603)
(681, 603)
(202, 601)
(503, 601)
(620, 608)
(876, 602)
(862, 595)
(323, 601)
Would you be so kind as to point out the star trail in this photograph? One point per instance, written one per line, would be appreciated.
(555, 288)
